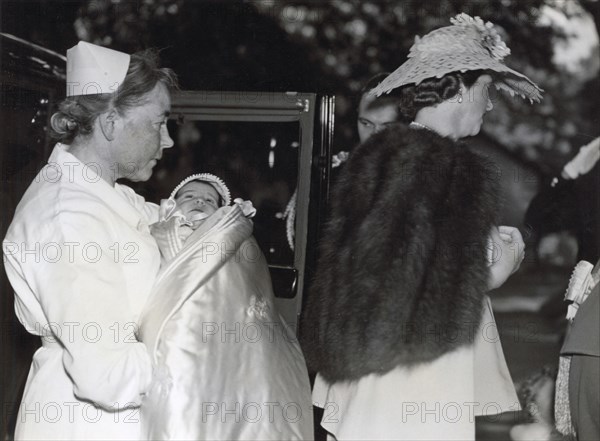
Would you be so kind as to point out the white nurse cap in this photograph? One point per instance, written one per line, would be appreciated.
(93, 69)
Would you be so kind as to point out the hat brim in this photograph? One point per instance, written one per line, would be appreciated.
(415, 70)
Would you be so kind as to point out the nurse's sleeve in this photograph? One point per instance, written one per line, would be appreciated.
(84, 295)
(148, 210)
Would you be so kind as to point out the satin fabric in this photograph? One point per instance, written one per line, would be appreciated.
(82, 263)
(437, 400)
(226, 365)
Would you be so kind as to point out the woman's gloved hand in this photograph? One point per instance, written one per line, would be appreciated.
(506, 251)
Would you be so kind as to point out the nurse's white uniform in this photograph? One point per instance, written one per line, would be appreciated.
(82, 262)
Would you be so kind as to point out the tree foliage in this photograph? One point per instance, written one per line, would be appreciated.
(336, 45)
(353, 40)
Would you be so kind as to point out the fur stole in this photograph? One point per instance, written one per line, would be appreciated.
(402, 266)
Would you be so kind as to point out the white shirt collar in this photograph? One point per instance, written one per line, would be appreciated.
(66, 168)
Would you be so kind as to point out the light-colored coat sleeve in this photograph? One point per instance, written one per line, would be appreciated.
(83, 293)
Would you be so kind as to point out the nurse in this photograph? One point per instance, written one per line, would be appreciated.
(79, 253)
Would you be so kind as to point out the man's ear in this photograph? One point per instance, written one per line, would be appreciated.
(108, 123)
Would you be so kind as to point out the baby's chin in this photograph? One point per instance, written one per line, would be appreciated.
(196, 212)
(197, 223)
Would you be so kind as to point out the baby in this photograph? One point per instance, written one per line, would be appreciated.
(214, 277)
(194, 200)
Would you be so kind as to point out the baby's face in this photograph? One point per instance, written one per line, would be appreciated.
(197, 197)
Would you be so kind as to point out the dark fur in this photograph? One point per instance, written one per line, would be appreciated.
(402, 265)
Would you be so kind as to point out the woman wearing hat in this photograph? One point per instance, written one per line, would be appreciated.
(79, 253)
(397, 323)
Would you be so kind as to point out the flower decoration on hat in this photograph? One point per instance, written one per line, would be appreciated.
(490, 39)
(469, 44)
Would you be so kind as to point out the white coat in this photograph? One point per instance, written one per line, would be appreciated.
(82, 262)
(438, 400)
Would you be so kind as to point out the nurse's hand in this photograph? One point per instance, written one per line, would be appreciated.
(507, 253)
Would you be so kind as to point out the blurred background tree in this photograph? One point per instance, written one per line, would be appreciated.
(334, 46)
(553, 42)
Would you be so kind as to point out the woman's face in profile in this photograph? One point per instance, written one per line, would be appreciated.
(144, 135)
(475, 104)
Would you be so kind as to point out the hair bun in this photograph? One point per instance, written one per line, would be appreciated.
(71, 124)
(62, 124)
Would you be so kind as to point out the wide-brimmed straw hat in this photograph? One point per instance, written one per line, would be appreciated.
(469, 44)
(211, 179)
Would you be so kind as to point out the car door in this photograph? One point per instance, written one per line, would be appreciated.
(271, 148)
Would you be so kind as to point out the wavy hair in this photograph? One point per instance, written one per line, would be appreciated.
(433, 91)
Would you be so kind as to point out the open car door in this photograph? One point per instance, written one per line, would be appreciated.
(270, 148)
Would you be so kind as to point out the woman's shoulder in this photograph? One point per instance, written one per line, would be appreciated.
(47, 206)
(399, 140)
(135, 199)
(148, 210)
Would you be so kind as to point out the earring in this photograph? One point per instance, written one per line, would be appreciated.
(460, 99)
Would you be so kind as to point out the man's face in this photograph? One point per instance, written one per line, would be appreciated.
(144, 136)
(197, 197)
(375, 114)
